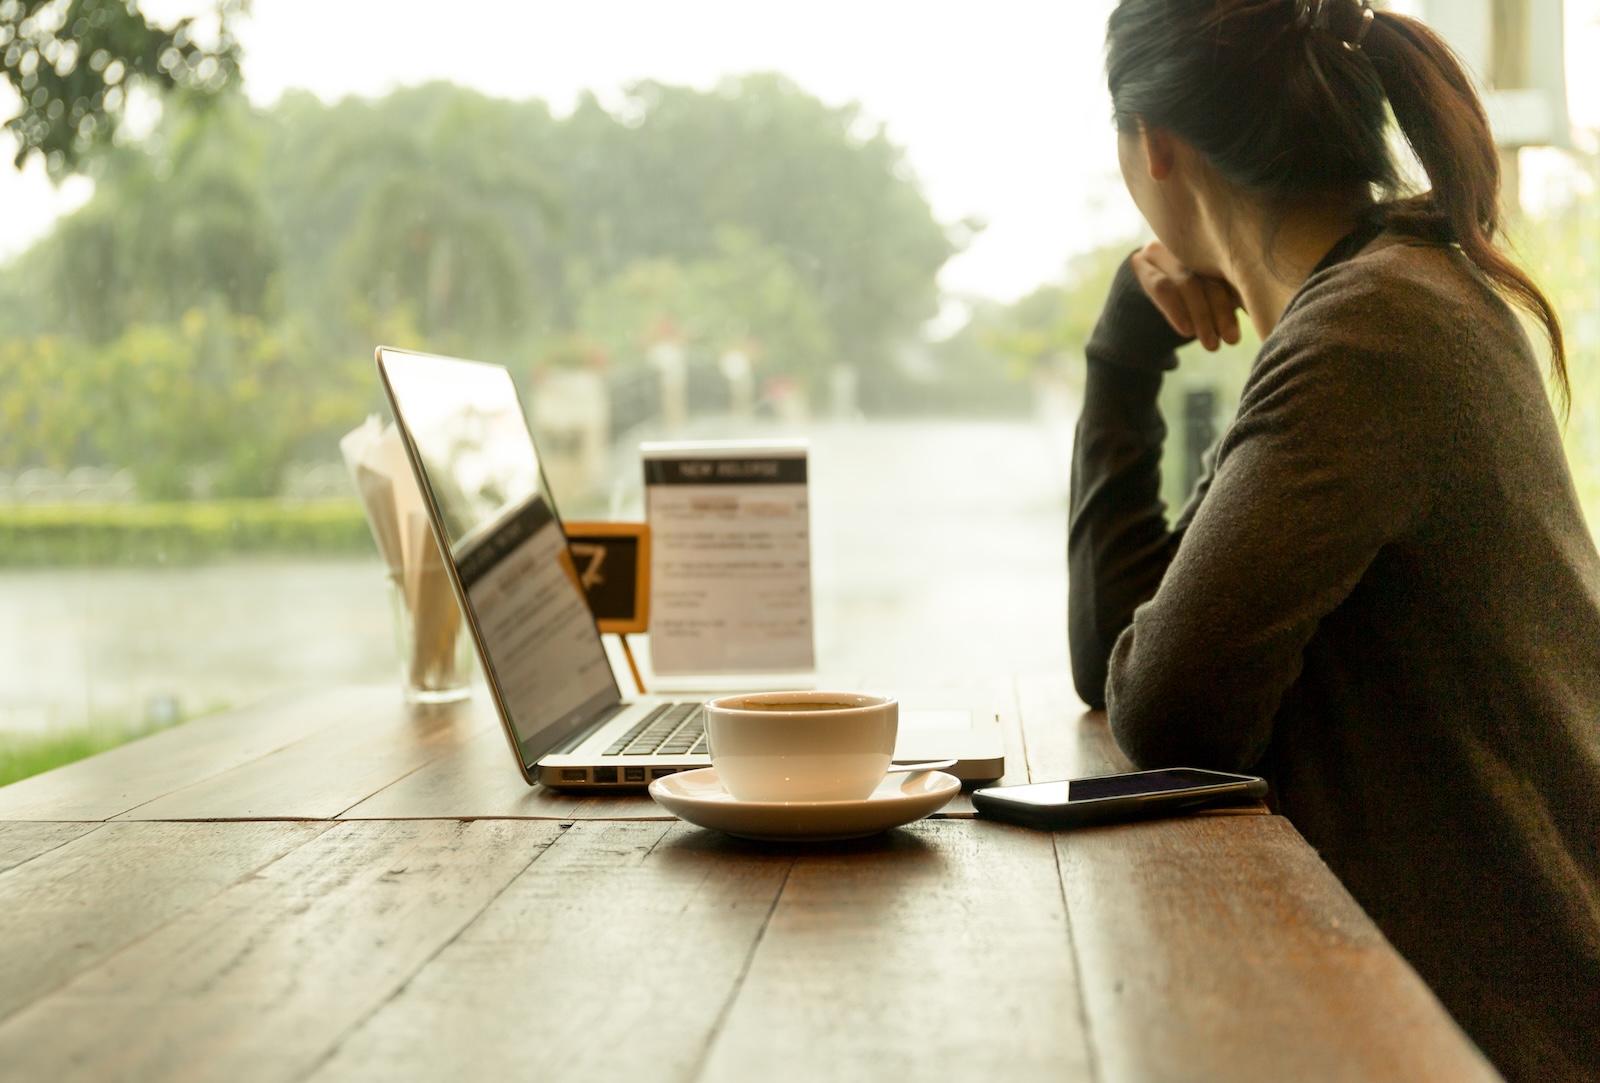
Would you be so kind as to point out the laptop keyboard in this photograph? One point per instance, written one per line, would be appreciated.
(672, 729)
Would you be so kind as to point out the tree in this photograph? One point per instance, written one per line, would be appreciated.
(745, 297)
(449, 215)
(213, 393)
(1047, 330)
(755, 218)
(176, 224)
(73, 62)
(834, 196)
(1561, 246)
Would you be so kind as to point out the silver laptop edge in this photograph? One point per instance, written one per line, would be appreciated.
(572, 758)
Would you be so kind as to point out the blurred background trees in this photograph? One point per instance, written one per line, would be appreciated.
(209, 315)
(750, 220)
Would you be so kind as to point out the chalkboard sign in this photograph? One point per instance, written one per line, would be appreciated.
(612, 563)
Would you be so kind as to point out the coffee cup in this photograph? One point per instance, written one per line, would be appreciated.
(801, 746)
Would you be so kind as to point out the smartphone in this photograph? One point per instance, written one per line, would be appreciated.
(1107, 799)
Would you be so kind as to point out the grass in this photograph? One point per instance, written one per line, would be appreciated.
(177, 533)
(23, 755)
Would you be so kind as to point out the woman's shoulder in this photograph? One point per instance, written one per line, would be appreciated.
(1404, 312)
(1384, 344)
(1398, 291)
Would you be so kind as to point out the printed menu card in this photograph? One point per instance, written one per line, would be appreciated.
(730, 561)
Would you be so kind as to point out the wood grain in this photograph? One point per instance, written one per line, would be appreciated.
(479, 779)
(1222, 948)
(71, 908)
(937, 952)
(1009, 709)
(611, 958)
(477, 942)
(1004, 697)
(1064, 738)
(328, 772)
(24, 841)
(1067, 740)
(259, 983)
(113, 782)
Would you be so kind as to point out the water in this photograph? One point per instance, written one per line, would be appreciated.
(938, 548)
(149, 644)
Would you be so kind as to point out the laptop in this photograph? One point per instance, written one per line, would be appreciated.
(492, 513)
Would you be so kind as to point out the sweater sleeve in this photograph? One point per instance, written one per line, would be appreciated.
(1331, 457)
(1118, 544)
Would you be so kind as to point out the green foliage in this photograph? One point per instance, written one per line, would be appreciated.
(72, 62)
(744, 296)
(213, 391)
(1562, 248)
(1223, 374)
(488, 224)
(1047, 330)
(434, 202)
(676, 166)
(178, 533)
(172, 227)
(23, 755)
(215, 303)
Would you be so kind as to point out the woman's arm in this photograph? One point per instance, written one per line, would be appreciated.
(1335, 454)
(1118, 544)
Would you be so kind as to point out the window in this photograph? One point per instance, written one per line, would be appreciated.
(884, 225)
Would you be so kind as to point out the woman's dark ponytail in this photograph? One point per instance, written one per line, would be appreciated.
(1441, 117)
(1287, 99)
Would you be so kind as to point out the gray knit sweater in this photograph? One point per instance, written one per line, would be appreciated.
(1384, 599)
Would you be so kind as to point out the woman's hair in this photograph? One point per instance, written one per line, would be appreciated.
(1286, 99)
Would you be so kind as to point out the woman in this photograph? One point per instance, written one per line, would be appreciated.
(1383, 596)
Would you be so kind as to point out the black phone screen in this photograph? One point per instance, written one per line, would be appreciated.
(1139, 784)
(1182, 778)
(1112, 798)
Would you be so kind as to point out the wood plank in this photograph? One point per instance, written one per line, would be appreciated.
(115, 781)
(24, 841)
(1067, 740)
(1009, 708)
(1064, 739)
(259, 983)
(330, 771)
(71, 908)
(479, 778)
(937, 952)
(611, 958)
(1003, 694)
(1223, 948)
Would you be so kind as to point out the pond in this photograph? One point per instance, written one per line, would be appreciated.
(937, 546)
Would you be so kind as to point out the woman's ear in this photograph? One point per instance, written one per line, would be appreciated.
(1160, 151)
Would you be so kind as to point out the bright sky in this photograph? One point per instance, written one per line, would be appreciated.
(1001, 106)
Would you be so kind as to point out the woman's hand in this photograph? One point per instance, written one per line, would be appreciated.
(1197, 306)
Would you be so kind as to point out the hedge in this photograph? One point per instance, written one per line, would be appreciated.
(178, 533)
(23, 755)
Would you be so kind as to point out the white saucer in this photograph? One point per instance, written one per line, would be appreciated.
(700, 798)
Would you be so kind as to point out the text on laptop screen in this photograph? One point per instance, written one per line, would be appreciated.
(465, 425)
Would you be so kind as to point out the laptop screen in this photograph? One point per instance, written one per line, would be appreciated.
(479, 472)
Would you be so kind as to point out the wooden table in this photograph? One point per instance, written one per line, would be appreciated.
(333, 887)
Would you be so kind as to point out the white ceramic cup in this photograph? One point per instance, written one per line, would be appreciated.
(801, 746)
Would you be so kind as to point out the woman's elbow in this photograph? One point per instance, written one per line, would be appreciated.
(1089, 676)
(1173, 723)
